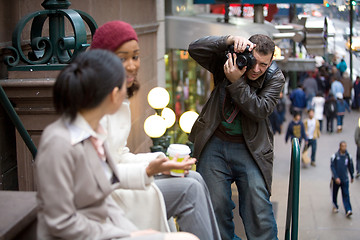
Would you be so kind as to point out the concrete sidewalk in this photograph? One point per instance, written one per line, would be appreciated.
(316, 220)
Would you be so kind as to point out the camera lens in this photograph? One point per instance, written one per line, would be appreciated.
(241, 61)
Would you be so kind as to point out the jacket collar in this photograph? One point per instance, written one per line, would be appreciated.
(258, 83)
(80, 130)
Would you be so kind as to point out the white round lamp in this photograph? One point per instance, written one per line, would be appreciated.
(155, 126)
(187, 120)
(169, 116)
(158, 98)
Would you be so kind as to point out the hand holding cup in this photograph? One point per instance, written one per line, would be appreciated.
(165, 165)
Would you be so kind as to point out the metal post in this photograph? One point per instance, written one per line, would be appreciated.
(226, 17)
(350, 39)
(258, 13)
(292, 214)
(296, 189)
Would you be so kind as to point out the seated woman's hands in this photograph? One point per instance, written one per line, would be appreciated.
(164, 165)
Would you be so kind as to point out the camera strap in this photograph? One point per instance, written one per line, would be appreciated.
(223, 102)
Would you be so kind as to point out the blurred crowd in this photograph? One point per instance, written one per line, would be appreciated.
(327, 90)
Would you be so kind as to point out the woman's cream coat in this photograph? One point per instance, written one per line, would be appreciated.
(146, 209)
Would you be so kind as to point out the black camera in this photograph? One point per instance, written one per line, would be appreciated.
(243, 59)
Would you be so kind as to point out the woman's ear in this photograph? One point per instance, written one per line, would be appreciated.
(113, 95)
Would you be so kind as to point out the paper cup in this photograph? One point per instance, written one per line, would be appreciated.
(182, 150)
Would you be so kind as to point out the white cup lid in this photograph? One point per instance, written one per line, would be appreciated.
(180, 149)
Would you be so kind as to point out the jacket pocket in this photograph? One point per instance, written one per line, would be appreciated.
(268, 154)
(198, 126)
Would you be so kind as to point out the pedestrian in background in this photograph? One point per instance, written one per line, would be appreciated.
(341, 164)
(274, 119)
(296, 129)
(281, 110)
(277, 117)
(347, 84)
(336, 86)
(312, 130)
(341, 106)
(334, 74)
(310, 87)
(356, 102)
(318, 104)
(330, 112)
(341, 66)
(322, 78)
(357, 142)
(298, 100)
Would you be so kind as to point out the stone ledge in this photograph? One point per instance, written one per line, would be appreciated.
(18, 211)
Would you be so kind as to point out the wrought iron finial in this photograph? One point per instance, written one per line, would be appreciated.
(53, 51)
(54, 4)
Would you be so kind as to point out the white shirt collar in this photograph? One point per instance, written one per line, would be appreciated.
(80, 130)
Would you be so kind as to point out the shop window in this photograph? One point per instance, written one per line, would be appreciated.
(189, 86)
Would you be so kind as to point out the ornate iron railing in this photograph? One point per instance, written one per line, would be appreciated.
(51, 52)
(56, 50)
(5, 102)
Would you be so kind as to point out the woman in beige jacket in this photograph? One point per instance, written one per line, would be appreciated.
(74, 172)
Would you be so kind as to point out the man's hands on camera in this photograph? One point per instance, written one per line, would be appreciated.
(231, 70)
(240, 43)
(164, 165)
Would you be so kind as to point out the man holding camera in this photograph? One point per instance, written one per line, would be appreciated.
(232, 136)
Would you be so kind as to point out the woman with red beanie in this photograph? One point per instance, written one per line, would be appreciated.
(185, 198)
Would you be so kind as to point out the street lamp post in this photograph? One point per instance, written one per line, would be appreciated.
(352, 4)
(157, 125)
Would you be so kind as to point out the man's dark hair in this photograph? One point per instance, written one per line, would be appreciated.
(264, 44)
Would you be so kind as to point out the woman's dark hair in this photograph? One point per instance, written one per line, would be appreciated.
(86, 81)
(133, 89)
(264, 44)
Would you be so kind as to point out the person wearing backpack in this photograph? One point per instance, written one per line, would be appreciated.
(330, 112)
(341, 106)
(341, 163)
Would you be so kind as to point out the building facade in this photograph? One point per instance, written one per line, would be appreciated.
(147, 18)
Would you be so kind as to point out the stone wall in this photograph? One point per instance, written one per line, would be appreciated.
(147, 21)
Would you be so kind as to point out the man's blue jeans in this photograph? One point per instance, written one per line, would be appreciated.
(312, 144)
(340, 120)
(223, 163)
(344, 185)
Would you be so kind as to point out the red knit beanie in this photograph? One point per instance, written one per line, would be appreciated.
(112, 35)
